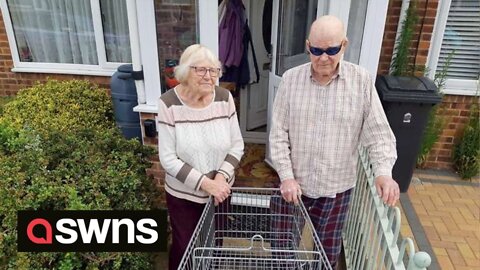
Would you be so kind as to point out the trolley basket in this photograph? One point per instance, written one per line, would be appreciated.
(255, 228)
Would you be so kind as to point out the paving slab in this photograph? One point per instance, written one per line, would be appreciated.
(442, 216)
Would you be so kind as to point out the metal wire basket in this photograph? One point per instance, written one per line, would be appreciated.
(254, 229)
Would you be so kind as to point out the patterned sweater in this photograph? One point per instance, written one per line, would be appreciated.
(194, 143)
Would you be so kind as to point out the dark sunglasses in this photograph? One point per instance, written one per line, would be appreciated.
(330, 50)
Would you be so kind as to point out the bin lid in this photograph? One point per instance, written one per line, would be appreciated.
(127, 68)
(407, 89)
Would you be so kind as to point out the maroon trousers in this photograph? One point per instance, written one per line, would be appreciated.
(184, 216)
(328, 215)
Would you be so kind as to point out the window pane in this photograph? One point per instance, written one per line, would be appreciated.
(356, 27)
(293, 28)
(115, 30)
(54, 31)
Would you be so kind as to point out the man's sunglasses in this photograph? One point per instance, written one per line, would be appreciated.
(330, 50)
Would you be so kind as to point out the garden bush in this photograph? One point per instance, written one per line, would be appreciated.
(466, 154)
(87, 166)
(3, 101)
(61, 106)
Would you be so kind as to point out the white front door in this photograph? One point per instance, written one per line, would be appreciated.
(291, 22)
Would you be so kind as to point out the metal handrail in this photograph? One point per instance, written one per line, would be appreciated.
(372, 229)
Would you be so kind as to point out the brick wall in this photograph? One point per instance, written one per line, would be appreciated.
(421, 40)
(456, 112)
(390, 32)
(176, 30)
(156, 171)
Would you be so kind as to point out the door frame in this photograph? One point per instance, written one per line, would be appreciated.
(373, 29)
(249, 136)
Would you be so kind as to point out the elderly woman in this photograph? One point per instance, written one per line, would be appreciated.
(199, 141)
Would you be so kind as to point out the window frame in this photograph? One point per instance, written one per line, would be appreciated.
(103, 68)
(452, 86)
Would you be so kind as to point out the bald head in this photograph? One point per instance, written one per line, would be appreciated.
(327, 28)
(327, 37)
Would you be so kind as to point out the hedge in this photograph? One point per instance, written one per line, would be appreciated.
(60, 150)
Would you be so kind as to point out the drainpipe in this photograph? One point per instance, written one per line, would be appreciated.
(137, 73)
(401, 18)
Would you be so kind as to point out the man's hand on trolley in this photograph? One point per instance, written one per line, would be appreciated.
(290, 190)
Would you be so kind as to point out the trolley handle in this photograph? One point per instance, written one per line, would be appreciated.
(257, 236)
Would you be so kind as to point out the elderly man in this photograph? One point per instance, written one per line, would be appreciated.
(323, 110)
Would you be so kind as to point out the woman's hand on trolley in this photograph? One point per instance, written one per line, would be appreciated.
(290, 190)
(220, 190)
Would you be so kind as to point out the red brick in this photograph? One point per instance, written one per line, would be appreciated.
(465, 113)
(431, 13)
(428, 21)
(445, 153)
(433, 5)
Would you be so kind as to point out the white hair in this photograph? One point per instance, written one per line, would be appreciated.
(194, 54)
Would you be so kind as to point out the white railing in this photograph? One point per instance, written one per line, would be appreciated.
(372, 229)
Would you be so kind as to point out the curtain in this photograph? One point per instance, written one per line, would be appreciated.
(115, 30)
(61, 31)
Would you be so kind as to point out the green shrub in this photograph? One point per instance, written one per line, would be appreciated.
(402, 64)
(3, 101)
(88, 166)
(466, 154)
(435, 124)
(62, 106)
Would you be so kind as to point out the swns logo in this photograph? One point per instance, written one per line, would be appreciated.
(115, 231)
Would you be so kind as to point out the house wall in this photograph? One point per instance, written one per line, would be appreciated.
(427, 10)
(176, 29)
(455, 109)
(156, 171)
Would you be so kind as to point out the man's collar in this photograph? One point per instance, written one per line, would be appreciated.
(339, 72)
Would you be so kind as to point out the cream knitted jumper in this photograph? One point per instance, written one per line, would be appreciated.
(194, 143)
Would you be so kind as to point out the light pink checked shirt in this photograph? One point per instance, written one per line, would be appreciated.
(316, 129)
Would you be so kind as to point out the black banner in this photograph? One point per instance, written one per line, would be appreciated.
(109, 231)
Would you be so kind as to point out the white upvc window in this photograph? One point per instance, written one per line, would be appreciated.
(455, 46)
(87, 37)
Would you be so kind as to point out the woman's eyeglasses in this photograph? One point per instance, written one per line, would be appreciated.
(201, 71)
(330, 50)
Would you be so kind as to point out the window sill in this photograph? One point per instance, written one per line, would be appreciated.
(106, 73)
(459, 92)
(144, 108)
(461, 87)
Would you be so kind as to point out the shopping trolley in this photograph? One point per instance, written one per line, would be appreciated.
(254, 229)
